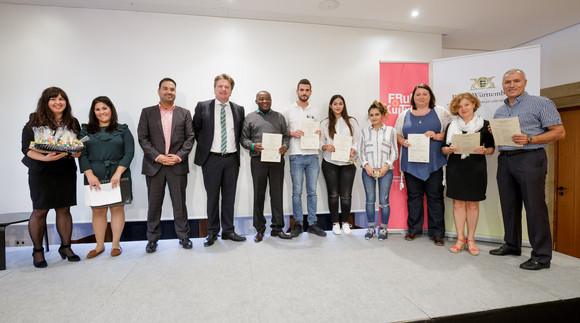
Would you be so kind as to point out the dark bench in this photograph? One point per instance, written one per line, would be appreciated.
(7, 219)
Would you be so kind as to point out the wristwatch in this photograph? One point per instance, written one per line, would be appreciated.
(530, 140)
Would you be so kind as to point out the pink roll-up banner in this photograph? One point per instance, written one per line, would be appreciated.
(397, 80)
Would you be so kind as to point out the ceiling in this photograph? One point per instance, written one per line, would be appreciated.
(464, 24)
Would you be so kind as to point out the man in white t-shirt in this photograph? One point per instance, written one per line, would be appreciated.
(303, 162)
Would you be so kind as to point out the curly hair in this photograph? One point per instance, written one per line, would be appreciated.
(454, 105)
(43, 116)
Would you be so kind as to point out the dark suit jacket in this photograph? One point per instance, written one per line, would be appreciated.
(152, 141)
(203, 125)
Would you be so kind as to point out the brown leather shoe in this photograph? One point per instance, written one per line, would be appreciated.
(93, 253)
(259, 236)
(411, 236)
(439, 241)
(116, 251)
(280, 234)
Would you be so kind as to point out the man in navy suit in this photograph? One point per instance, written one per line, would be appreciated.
(166, 136)
(218, 125)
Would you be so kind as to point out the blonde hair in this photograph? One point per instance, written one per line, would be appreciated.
(454, 105)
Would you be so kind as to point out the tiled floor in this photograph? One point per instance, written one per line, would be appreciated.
(308, 279)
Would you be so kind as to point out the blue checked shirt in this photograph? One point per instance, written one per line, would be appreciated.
(535, 113)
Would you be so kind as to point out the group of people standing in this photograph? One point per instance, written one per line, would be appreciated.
(166, 133)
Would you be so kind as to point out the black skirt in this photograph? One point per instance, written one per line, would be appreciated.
(53, 190)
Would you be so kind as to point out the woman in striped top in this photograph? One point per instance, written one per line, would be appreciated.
(378, 151)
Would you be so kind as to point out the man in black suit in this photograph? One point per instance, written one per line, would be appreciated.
(218, 126)
(166, 136)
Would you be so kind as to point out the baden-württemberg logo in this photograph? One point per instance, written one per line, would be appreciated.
(482, 83)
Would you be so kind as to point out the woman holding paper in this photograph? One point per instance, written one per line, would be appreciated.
(52, 176)
(339, 137)
(424, 176)
(378, 151)
(467, 172)
(107, 156)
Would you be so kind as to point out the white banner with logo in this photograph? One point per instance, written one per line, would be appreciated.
(481, 75)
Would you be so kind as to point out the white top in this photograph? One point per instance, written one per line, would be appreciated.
(294, 116)
(216, 145)
(378, 147)
(340, 128)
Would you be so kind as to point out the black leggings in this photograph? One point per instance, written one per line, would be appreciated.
(339, 180)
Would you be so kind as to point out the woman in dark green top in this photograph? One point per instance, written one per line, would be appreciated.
(107, 156)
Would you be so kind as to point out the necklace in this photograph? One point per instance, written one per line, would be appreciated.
(422, 117)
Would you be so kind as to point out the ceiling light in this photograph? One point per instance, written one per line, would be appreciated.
(414, 13)
(328, 5)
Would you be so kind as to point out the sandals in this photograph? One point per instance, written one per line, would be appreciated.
(473, 251)
(455, 249)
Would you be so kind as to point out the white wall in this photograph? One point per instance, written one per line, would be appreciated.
(124, 55)
(560, 54)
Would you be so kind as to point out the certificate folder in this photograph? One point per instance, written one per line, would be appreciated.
(109, 196)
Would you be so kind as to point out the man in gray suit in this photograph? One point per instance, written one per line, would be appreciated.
(166, 136)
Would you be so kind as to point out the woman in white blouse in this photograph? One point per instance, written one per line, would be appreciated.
(339, 175)
(378, 151)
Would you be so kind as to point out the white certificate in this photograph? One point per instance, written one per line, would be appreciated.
(466, 143)
(310, 140)
(271, 143)
(504, 129)
(418, 151)
(342, 145)
(107, 195)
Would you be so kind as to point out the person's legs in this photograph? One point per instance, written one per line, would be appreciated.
(297, 168)
(384, 192)
(346, 180)
(64, 225)
(435, 204)
(100, 226)
(511, 203)
(415, 193)
(117, 224)
(36, 229)
(311, 171)
(459, 216)
(228, 185)
(276, 180)
(177, 184)
(155, 195)
(331, 174)
(259, 181)
(472, 218)
(370, 193)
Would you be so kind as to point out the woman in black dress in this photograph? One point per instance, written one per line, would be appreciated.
(51, 176)
(466, 173)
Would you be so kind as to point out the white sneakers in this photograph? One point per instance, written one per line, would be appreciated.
(345, 227)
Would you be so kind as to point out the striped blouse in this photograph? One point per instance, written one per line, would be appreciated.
(378, 147)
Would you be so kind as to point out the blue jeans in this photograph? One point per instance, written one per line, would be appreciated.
(369, 183)
(301, 165)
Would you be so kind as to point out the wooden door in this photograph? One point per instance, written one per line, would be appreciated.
(567, 190)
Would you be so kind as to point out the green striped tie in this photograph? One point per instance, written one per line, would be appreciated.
(224, 131)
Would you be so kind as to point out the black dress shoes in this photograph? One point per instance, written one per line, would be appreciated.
(281, 234)
(186, 243)
(210, 239)
(233, 236)
(297, 230)
(259, 236)
(534, 265)
(151, 247)
(504, 251)
(315, 229)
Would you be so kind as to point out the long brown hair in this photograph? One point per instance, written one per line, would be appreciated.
(43, 116)
(93, 125)
(332, 118)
